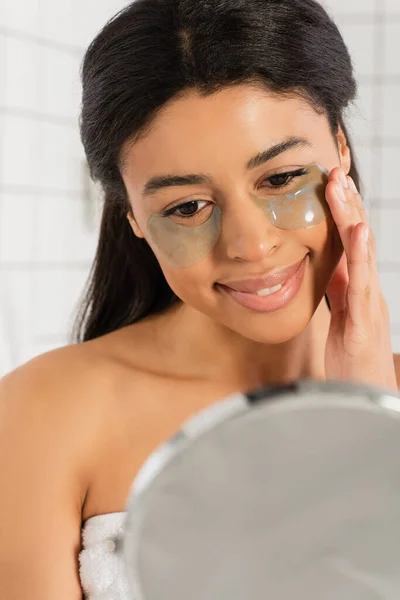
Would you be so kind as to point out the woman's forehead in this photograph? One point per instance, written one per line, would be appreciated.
(229, 126)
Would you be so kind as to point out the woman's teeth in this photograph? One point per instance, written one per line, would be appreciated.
(269, 291)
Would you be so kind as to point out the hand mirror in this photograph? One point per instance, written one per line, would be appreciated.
(287, 493)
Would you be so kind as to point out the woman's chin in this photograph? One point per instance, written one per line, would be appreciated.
(277, 331)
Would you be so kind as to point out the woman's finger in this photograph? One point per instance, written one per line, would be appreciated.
(357, 200)
(371, 238)
(342, 203)
(337, 289)
(361, 285)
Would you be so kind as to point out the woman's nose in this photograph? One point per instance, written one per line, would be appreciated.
(247, 232)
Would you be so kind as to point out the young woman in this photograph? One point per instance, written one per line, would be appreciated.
(196, 115)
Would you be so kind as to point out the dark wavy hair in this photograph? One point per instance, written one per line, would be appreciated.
(149, 53)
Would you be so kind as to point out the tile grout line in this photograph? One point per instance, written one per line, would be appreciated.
(23, 190)
(27, 267)
(36, 115)
(32, 38)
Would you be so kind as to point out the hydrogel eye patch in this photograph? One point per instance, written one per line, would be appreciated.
(185, 245)
(186, 240)
(303, 206)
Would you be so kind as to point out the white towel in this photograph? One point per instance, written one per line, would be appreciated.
(102, 569)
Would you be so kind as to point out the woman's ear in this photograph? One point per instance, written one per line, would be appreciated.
(344, 151)
(135, 227)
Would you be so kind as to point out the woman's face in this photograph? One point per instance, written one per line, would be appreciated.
(216, 136)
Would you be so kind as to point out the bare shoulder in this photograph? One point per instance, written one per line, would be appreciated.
(61, 400)
(53, 417)
(72, 403)
(60, 380)
(47, 405)
(46, 439)
(64, 391)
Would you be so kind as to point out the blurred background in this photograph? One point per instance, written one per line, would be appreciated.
(49, 209)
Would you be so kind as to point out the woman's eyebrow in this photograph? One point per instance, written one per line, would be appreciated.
(159, 182)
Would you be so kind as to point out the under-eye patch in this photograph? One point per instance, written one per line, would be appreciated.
(185, 235)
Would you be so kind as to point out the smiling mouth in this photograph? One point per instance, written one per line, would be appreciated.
(270, 292)
(265, 285)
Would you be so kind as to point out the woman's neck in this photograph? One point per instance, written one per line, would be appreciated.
(210, 351)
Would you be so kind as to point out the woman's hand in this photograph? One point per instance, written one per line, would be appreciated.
(358, 347)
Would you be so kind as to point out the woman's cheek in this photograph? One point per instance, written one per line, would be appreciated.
(190, 284)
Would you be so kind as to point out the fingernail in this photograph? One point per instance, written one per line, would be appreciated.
(343, 180)
(340, 193)
(352, 185)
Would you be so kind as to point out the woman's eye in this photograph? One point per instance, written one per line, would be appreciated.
(186, 210)
(280, 180)
(283, 179)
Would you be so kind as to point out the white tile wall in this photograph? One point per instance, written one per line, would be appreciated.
(17, 227)
(59, 88)
(349, 8)
(359, 37)
(54, 296)
(22, 70)
(48, 232)
(392, 6)
(365, 159)
(2, 67)
(16, 316)
(389, 221)
(21, 16)
(20, 154)
(60, 147)
(80, 20)
(390, 110)
(389, 165)
(67, 232)
(361, 114)
(391, 49)
(391, 290)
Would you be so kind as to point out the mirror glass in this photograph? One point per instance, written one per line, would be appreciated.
(289, 493)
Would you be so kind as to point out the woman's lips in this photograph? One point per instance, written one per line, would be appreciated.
(276, 277)
(290, 278)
